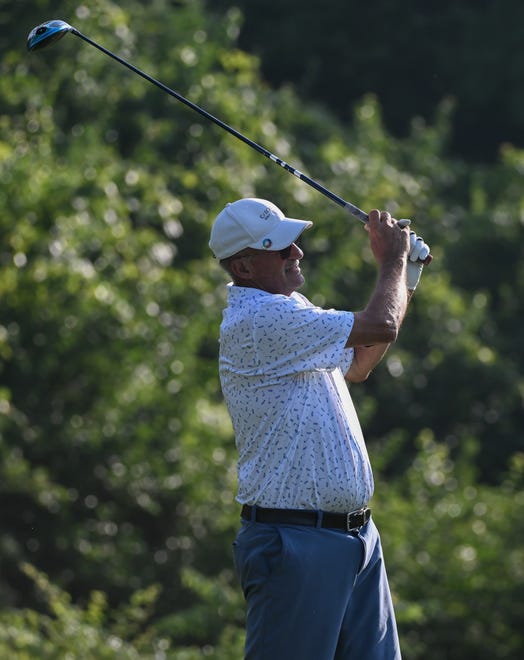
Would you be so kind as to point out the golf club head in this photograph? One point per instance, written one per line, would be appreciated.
(47, 33)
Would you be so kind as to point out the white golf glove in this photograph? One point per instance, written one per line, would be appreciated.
(417, 253)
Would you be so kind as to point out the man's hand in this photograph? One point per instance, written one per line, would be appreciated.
(388, 239)
(418, 251)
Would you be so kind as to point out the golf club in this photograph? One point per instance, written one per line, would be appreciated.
(45, 34)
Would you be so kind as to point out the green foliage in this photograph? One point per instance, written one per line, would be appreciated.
(64, 630)
(68, 631)
(117, 458)
(445, 535)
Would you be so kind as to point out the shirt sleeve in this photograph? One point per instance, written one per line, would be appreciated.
(347, 359)
(291, 336)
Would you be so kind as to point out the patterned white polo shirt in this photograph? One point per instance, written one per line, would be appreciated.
(299, 440)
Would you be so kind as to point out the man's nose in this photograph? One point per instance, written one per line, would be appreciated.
(296, 252)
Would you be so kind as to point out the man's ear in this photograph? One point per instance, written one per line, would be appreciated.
(241, 268)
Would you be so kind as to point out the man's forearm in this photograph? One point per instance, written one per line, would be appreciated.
(380, 321)
(365, 359)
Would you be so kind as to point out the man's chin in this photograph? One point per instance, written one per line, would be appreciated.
(296, 284)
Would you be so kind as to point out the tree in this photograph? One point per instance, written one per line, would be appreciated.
(117, 459)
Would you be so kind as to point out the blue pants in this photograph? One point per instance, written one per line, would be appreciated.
(315, 594)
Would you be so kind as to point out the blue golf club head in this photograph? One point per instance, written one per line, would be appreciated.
(45, 34)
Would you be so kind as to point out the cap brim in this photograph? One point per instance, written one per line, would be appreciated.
(285, 233)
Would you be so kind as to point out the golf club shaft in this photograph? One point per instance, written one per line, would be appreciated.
(351, 208)
(354, 210)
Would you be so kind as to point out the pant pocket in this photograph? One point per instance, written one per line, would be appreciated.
(257, 551)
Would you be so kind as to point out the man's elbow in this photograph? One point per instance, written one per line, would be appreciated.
(357, 376)
(371, 330)
(358, 372)
(391, 330)
(387, 332)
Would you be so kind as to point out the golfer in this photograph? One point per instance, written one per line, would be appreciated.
(308, 553)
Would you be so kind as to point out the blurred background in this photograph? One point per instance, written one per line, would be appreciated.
(117, 457)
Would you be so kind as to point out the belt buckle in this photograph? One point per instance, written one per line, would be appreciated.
(360, 518)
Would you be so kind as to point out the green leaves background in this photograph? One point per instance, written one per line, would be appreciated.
(117, 459)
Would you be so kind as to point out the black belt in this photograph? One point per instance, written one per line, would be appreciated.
(349, 522)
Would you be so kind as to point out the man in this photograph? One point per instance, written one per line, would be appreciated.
(308, 553)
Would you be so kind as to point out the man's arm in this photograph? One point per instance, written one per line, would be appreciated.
(380, 321)
(376, 328)
(366, 358)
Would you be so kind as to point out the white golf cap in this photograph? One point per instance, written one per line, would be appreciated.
(254, 223)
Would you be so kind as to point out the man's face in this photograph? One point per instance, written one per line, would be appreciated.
(274, 272)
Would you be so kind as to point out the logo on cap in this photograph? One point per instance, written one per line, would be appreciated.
(265, 213)
(267, 243)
